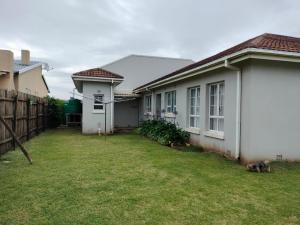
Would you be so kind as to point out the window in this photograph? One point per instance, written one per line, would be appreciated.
(194, 107)
(216, 107)
(98, 102)
(170, 101)
(148, 104)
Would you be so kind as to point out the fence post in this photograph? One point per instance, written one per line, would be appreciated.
(37, 117)
(28, 118)
(14, 124)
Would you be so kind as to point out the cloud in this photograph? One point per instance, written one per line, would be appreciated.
(72, 35)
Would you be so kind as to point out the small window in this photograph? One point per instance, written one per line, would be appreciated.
(216, 107)
(194, 107)
(170, 101)
(98, 102)
(148, 104)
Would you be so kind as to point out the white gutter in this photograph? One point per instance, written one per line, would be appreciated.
(238, 107)
(235, 55)
(100, 79)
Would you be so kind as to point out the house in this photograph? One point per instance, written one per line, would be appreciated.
(242, 101)
(22, 75)
(108, 85)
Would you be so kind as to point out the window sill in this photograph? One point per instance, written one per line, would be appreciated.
(98, 111)
(170, 115)
(193, 130)
(148, 114)
(214, 134)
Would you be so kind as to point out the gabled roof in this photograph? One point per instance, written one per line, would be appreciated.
(266, 41)
(21, 68)
(98, 72)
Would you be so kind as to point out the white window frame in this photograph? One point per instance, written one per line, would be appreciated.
(148, 104)
(197, 105)
(217, 116)
(96, 103)
(170, 108)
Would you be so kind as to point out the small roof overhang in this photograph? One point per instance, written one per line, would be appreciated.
(78, 81)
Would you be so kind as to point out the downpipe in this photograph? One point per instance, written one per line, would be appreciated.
(238, 107)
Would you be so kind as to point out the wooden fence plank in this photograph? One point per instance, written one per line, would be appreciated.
(25, 115)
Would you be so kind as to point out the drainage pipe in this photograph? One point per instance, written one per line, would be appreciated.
(238, 107)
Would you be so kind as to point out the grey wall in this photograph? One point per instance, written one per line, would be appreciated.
(126, 114)
(138, 70)
(229, 77)
(91, 121)
(270, 110)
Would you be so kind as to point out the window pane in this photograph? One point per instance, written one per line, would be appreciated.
(213, 124)
(221, 99)
(221, 125)
(193, 92)
(98, 99)
(198, 110)
(98, 107)
(213, 110)
(192, 122)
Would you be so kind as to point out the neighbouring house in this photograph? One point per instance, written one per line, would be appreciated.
(242, 101)
(22, 75)
(113, 84)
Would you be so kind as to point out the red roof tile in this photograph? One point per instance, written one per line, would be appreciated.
(265, 41)
(98, 72)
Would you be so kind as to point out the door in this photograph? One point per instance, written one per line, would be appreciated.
(158, 106)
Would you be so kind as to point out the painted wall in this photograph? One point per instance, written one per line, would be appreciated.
(126, 114)
(270, 110)
(200, 137)
(138, 70)
(91, 120)
(32, 82)
(6, 64)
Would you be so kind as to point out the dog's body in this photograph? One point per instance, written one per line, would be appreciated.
(262, 166)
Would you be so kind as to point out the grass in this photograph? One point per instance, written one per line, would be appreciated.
(128, 179)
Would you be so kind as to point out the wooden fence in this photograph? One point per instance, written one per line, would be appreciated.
(25, 114)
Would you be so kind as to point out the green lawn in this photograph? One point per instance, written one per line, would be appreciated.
(128, 179)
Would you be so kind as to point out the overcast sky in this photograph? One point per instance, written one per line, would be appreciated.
(72, 35)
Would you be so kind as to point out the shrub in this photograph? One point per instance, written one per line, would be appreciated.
(163, 132)
(55, 115)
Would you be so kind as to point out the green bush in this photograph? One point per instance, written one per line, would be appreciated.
(55, 116)
(163, 132)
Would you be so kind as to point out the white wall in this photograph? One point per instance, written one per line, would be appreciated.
(270, 110)
(229, 77)
(91, 121)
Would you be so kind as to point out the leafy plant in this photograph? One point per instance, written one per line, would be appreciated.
(163, 132)
(55, 115)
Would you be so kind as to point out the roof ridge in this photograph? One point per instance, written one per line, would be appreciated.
(161, 57)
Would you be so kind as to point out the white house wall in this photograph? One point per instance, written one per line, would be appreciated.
(92, 121)
(270, 111)
(229, 77)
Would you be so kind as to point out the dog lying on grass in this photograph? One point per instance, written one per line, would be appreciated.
(263, 166)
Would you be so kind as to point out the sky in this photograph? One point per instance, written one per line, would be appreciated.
(73, 35)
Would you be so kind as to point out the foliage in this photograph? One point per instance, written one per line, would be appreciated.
(164, 132)
(55, 115)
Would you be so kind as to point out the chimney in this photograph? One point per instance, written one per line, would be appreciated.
(25, 57)
(6, 70)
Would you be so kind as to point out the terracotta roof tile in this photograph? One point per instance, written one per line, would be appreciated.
(265, 41)
(98, 72)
